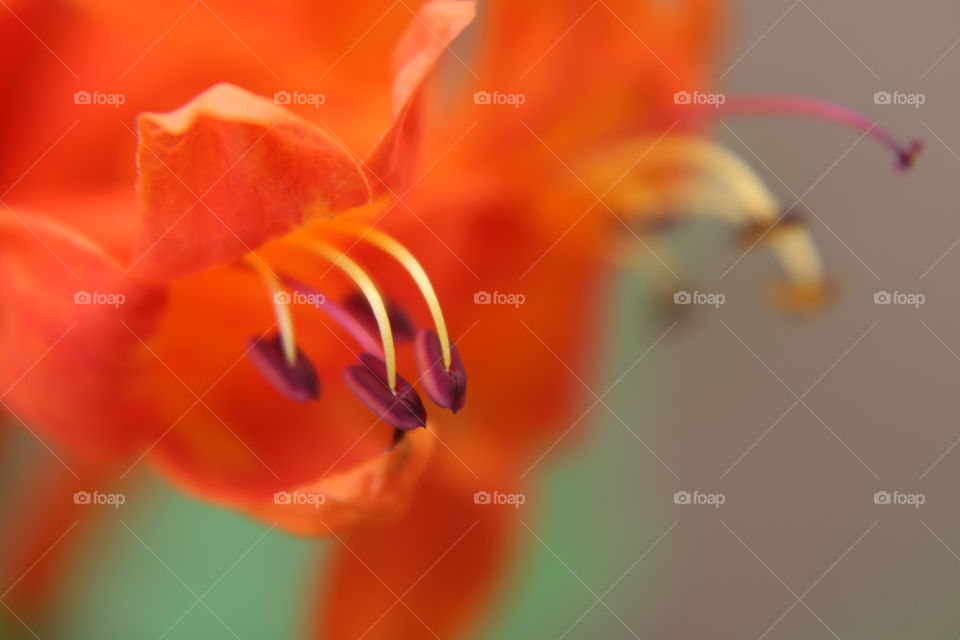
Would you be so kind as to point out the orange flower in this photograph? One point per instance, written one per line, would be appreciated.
(101, 356)
(218, 178)
(188, 347)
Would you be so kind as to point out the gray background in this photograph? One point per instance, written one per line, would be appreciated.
(885, 415)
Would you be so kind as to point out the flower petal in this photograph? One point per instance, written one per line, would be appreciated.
(375, 488)
(230, 170)
(435, 27)
(71, 368)
(443, 557)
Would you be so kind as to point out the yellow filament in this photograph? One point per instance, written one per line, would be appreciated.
(366, 285)
(729, 172)
(706, 199)
(726, 167)
(416, 271)
(799, 256)
(281, 306)
(794, 247)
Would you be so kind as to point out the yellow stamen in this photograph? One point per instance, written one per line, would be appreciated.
(799, 256)
(356, 273)
(281, 306)
(413, 267)
(727, 169)
(700, 198)
(794, 247)
(735, 194)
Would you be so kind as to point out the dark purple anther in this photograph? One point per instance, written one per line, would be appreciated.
(368, 381)
(359, 307)
(298, 381)
(907, 155)
(346, 318)
(447, 388)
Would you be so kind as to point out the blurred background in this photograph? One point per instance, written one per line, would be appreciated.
(796, 424)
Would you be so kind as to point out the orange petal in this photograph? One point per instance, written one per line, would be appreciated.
(442, 558)
(230, 170)
(68, 361)
(649, 49)
(436, 26)
(113, 46)
(371, 490)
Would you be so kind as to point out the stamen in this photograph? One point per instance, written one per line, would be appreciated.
(363, 281)
(803, 298)
(447, 387)
(726, 168)
(798, 254)
(799, 105)
(416, 271)
(739, 197)
(298, 380)
(756, 232)
(281, 306)
(357, 306)
(398, 406)
(795, 249)
(365, 335)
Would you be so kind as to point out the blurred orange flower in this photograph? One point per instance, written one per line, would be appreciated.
(126, 298)
(102, 355)
(186, 328)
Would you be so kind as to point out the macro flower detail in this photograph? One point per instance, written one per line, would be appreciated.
(375, 381)
(269, 308)
(242, 203)
(275, 189)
